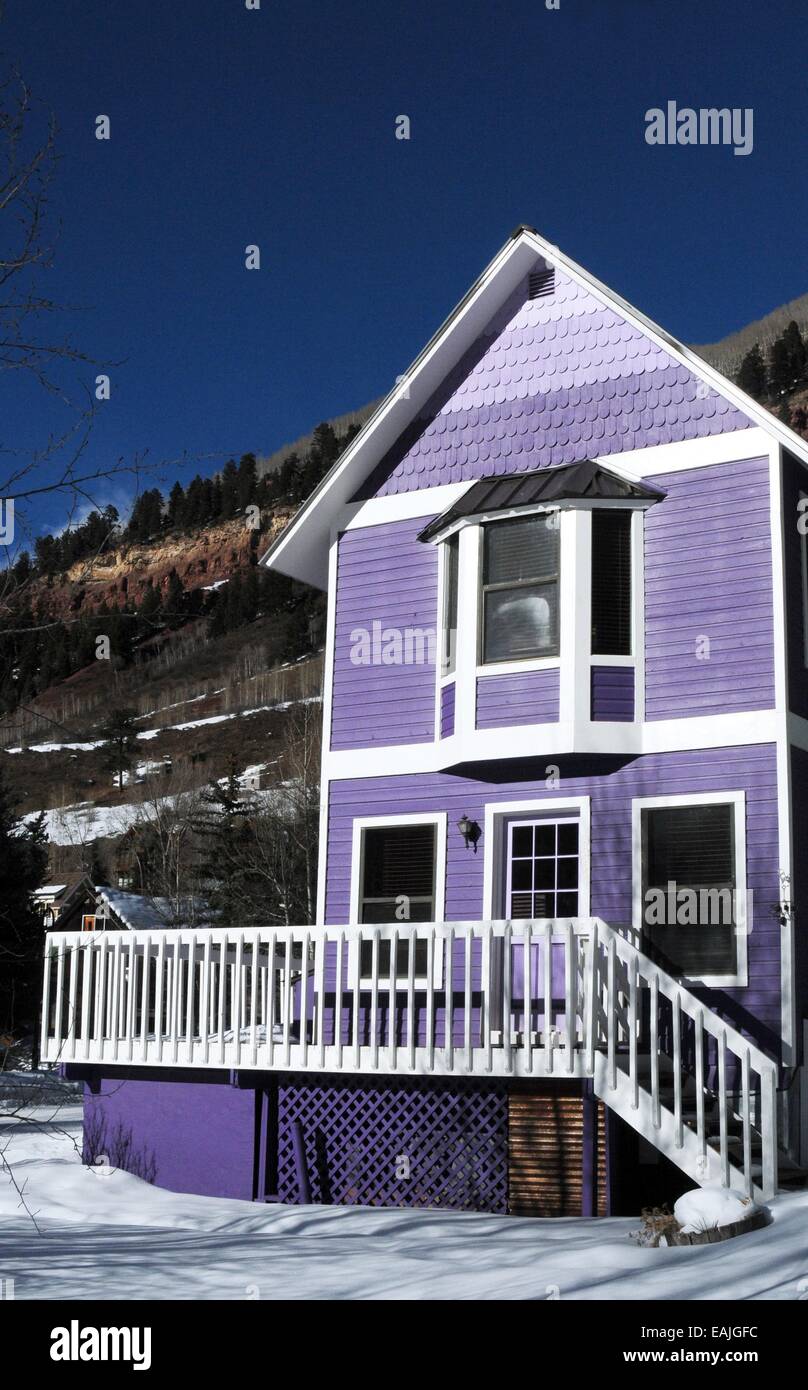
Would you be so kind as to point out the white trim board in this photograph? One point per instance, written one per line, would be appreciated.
(556, 740)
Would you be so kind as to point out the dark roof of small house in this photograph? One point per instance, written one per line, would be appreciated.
(580, 480)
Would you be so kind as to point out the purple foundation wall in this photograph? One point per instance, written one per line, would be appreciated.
(172, 1129)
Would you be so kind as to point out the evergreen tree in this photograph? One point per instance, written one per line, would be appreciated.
(795, 350)
(120, 734)
(752, 374)
(175, 607)
(176, 507)
(23, 861)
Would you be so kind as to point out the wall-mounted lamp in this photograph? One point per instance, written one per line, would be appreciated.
(470, 831)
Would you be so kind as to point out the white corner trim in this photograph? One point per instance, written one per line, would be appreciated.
(736, 799)
(498, 813)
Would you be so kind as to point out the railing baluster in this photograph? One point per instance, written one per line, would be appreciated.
(320, 962)
(611, 1014)
(238, 998)
(116, 995)
(392, 1053)
(176, 996)
(304, 1000)
(374, 1001)
(468, 947)
(60, 988)
(205, 1001)
(272, 987)
(159, 991)
(131, 989)
(548, 997)
(591, 989)
(768, 1129)
(633, 1024)
(655, 1102)
(44, 1036)
(338, 998)
(722, 1102)
(86, 978)
(255, 985)
(411, 1019)
(287, 1001)
(486, 982)
(222, 1019)
(746, 1115)
(430, 998)
(507, 997)
(100, 1022)
(189, 1000)
(357, 997)
(677, 1072)
(449, 997)
(144, 999)
(569, 994)
(701, 1128)
(527, 992)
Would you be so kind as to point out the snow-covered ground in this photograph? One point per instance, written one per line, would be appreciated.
(103, 1234)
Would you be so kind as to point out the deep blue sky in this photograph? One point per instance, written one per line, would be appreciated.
(277, 127)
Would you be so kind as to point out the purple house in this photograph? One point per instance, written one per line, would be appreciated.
(558, 965)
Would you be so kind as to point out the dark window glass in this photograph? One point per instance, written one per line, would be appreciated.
(542, 870)
(398, 862)
(520, 588)
(451, 558)
(689, 887)
(611, 583)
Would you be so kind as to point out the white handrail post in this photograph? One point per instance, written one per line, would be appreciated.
(44, 1022)
(768, 1130)
(468, 947)
(611, 1014)
(746, 1117)
(677, 1071)
(548, 997)
(391, 1003)
(722, 1103)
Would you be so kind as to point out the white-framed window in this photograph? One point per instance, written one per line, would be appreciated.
(611, 582)
(449, 602)
(542, 834)
(542, 862)
(689, 884)
(519, 589)
(398, 875)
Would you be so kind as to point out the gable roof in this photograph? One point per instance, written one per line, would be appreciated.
(301, 550)
(584, 480)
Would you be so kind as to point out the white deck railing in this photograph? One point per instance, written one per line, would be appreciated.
(428, 999)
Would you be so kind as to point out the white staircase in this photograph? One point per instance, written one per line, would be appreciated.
(689, 1083)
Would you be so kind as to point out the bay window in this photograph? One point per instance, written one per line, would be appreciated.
(611, 583)
(519, 599)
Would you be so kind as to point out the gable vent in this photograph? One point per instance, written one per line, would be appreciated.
(541, 283)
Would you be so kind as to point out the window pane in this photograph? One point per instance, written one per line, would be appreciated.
(402, 959)
(522, 839)
(522, 874)
(567, 905)
(521, 905)
(545, 873)
(451, 557)
(399, 861)
(568, 873)
(611, 583)
(545, 839)
(523, 549)
(543, 905)
(688, 888)
(568, 839)
(521, 622)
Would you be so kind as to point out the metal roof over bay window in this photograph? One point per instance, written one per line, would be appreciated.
(584, 481)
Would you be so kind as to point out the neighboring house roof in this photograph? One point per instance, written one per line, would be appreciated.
(414, 430)
(50, 890)
(140, 913)
(542, 486)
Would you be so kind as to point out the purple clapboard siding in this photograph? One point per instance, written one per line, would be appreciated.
(795, 483)
(551, 380)
(447, 709)
(750, 769)
(613, 693)
(709, 645)
(529, 697)
(173, 1128)
(386, 587)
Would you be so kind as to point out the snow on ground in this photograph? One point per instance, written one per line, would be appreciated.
(106, 1235)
